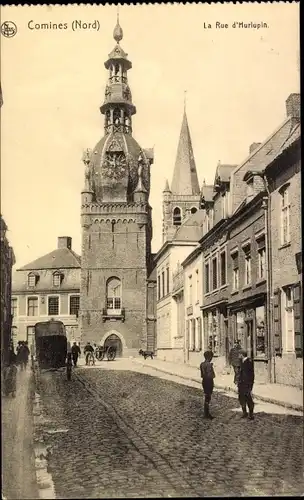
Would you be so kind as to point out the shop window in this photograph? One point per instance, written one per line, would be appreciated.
(260, 331)
(239, 334)
(213, 340)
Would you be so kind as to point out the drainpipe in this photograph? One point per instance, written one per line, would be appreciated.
(270, 340)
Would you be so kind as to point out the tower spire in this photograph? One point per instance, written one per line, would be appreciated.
(118, 33)
(185, 180)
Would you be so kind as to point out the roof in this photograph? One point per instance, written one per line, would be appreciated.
(192, 228)
(207, 192)
(185, 180)
(273, 146)
(61, 258)
(223, 172)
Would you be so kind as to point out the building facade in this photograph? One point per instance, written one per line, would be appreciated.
(117, 284)
(47, 288)
(283, 176)
(7, 262)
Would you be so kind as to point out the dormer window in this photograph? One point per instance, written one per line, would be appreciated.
(57, 279)
(32, 280)
(250, 189)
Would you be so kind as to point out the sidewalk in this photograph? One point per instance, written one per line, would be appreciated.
(18, 467)
(282, 395)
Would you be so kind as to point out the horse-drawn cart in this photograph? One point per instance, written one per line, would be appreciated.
(102, 351)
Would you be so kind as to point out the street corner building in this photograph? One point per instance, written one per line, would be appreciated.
(117, 281)
(47, 288)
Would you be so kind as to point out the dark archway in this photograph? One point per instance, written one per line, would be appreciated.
(114, 340)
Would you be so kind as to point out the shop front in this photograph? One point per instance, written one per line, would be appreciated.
(216, 333)
(248, 325)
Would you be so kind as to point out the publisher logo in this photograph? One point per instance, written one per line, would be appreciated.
(8, 29)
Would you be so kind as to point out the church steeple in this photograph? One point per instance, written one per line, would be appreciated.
(118, 107)
(185, 179)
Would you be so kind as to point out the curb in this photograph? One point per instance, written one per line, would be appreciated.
(265, 399)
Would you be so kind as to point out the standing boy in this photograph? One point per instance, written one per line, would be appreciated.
(207, 374)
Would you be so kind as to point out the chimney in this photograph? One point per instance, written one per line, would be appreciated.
(254, 146)
(293, 106)
(65, 242)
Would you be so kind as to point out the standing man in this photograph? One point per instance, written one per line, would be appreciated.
(75, 353)
(234, 359)
(207, 374)
(245, 385)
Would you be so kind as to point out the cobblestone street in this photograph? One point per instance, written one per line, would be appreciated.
(128, 434)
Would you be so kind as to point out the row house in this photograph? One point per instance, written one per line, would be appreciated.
(170, 293)
(48, 288)
(251, 255)
(283, 177)
(7, 262)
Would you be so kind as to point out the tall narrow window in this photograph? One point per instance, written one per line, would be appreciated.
(114, 296)
(207, 277)
(163, 283)
(14, 306)
(223, 267)
(53, 306)
(177, 216)
(168, 279)
(261, 258)
(190, 291)
(32, 306)
(235, 270)
(158, 287)
(289, 319)
(30, 337)
(197, 286)
(214, 273)
(285, 216)
(247, 253)
(74, 305)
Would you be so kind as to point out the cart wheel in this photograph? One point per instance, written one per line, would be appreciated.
(111, 354)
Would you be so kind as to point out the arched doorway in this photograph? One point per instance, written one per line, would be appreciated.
(114, 340)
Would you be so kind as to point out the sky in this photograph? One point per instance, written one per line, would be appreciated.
(53, 81)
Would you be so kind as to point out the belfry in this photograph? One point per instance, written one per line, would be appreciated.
(117, 224)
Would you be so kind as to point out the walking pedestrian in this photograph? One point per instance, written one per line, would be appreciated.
(208, 375)
(75, 353)
(23, 355)
(234, 360)
(88, 350)
(10, 375)
(245, 385)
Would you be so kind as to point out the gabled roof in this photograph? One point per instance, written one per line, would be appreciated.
(273, 146)
(61, 258)
(191, 229)
(185, 180)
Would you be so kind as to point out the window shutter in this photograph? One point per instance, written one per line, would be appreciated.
(277, 326)
(298, 320)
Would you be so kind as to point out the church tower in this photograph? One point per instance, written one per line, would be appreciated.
(116, 222)
(184, 196)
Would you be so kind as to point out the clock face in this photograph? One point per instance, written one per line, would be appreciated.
(114, 166)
